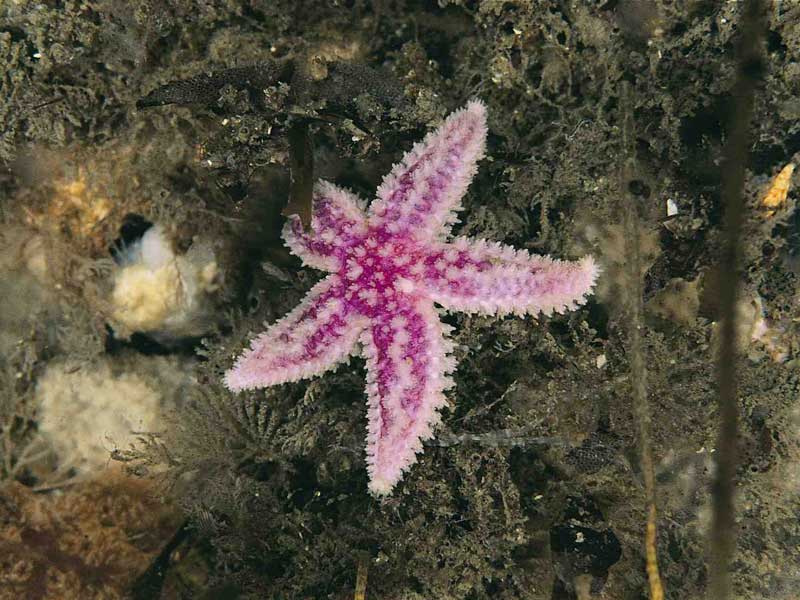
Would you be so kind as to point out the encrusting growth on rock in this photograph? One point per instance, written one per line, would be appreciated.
(389, 265)
(775, 197)
(160, 292)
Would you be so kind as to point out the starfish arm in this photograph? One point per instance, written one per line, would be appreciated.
(423, 192)
(487, 277)
(313, 338)
(337, 222)
(408, 366)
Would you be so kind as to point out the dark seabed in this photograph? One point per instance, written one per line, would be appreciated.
(140, 250)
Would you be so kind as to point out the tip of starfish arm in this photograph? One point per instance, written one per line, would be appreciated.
(569, 287)
(586, 272)
(384, 477)
(591, 272)
(379, 486)
(245, 374)
(234, 381)
(477, 107)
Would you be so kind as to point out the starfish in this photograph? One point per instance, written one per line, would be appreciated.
(390, 265)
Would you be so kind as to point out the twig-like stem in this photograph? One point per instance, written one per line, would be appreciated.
(301, 157)
(361, 578)
(723, 536)
(28, 457)
(634, 307)
(8, 448)
(150, 583)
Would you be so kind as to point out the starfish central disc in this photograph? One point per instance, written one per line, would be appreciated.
(376, 274)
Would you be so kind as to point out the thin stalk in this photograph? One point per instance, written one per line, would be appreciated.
(750, 67)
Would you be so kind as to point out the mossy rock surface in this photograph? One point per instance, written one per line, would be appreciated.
(533, 488)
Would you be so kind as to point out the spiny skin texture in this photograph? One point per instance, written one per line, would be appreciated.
(388, 266)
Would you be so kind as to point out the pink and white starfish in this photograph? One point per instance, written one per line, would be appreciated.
(390, 265)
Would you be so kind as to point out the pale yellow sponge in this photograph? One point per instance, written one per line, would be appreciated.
(161, 293)
(87, 413)
(143, 298)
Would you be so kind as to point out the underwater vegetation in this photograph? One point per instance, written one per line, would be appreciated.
(151, 153)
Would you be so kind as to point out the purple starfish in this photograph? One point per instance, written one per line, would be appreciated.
(389, 265)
